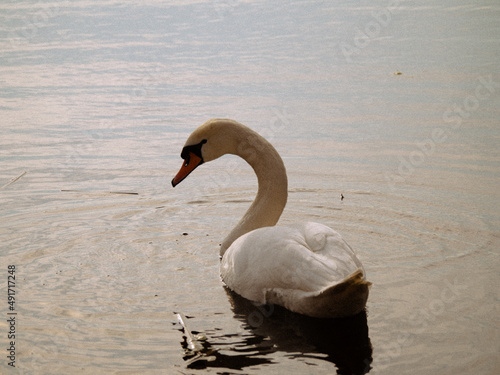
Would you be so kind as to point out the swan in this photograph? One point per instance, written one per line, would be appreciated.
(306, 267)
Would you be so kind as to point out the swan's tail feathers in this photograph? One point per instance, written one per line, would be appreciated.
(344, 299)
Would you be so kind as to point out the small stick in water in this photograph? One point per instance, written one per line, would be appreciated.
(197, 355)
(192, 343)
(13, 180)
(93, 192)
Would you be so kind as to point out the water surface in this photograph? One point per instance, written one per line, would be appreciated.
(393, 105)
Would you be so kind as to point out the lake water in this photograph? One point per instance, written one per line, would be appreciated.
(394, 105)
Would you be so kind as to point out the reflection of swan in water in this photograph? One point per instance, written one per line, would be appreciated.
(273, 329)
(307, 268)
(345, 341)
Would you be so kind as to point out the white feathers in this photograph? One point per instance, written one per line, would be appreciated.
(288, 264)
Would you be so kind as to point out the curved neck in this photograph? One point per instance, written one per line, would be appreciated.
(272, 194)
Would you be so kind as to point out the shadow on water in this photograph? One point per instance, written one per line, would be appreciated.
(344, 342)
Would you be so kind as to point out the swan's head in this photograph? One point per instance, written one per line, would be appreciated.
(210, 141)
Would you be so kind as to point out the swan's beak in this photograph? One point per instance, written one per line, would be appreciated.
(189, 165)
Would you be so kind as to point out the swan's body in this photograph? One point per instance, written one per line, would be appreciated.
(307, 268)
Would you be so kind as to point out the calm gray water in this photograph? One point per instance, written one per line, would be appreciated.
(395, 105)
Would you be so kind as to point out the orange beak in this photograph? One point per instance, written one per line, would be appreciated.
(189, 165)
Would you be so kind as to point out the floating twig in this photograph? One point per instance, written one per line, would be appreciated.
(92, 192)
(197, 354)
(13, 180)
(192, 343)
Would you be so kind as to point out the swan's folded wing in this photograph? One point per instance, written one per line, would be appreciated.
(306, 258)
(329, 244)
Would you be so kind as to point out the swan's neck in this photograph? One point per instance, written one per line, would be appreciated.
(272, 194)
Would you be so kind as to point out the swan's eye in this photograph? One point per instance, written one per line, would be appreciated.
(195, 149)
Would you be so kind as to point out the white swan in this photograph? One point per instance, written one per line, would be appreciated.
(307, 268)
